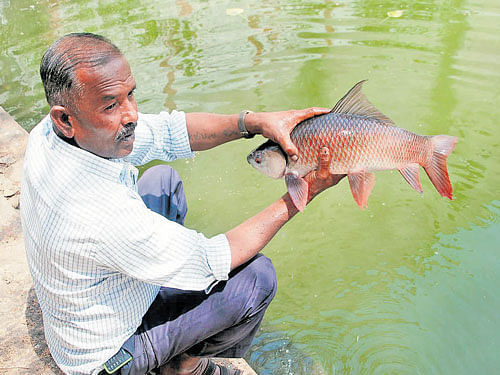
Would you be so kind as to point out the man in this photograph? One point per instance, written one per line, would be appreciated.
(124, 287)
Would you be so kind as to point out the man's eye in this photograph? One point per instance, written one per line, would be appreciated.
(131, 93)
(110, 107)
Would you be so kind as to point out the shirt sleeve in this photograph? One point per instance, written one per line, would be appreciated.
(145, 245)
(160, 136)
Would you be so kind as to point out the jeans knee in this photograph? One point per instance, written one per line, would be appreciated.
(155, 175)
(266, 274)
(264, 281)
(160, 187)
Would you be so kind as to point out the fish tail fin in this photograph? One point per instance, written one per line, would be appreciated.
(442, 146)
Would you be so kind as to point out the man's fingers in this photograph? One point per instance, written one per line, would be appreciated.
(290, 148)
(311, 112)
(300, 116)
(323, 171)
(324, 163)
(286, 122)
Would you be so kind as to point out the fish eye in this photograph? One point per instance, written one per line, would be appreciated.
(258, 160)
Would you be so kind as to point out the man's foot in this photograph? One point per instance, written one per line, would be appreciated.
(217, 369)
(186, 365)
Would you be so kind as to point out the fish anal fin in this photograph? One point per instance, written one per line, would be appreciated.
(298, 190)
(356, 103)
(361, 183)
(410, 174)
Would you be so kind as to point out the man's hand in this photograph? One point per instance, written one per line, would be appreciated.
(277, 126)
(321, 179)
(248, 238)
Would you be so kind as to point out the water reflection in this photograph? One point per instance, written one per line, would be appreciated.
(411, 328)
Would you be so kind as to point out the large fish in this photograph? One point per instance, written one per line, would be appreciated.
(361, 139)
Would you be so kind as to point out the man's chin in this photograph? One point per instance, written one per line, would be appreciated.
(125, 146)
(125, 151)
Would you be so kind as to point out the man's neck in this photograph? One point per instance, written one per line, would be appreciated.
(71, 140)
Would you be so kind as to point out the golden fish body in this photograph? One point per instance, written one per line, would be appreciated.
(357, 142)
(361, 140)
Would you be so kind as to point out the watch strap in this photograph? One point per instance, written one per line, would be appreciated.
(241, 124)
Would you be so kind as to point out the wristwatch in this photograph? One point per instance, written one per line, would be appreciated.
(241, 124)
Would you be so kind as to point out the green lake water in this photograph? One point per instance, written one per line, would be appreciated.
(408, 286)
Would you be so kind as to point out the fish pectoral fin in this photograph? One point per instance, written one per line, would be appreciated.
(410, 174)
(298, 190)
(356, 103)
(361, 183)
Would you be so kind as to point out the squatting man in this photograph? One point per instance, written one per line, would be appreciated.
(123, 285)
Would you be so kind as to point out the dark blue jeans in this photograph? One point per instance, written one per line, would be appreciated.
(222, 323)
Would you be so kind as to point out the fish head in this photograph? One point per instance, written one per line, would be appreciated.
(269, 159)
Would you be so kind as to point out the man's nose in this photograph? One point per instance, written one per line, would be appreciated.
(129, 112)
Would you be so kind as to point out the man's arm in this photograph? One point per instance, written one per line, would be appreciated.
(207, 130)
(248, 238)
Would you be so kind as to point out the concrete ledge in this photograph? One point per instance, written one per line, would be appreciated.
(23, 349)
(21, 332)
(13, 140)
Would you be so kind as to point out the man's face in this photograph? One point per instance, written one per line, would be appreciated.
(106, 111)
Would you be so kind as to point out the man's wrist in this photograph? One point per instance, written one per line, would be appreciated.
(242, 125)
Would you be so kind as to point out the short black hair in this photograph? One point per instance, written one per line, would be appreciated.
(64, 56)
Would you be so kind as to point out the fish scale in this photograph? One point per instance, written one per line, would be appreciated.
(360, 139)
(356, 142)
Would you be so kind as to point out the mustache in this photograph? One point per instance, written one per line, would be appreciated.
(127, 130)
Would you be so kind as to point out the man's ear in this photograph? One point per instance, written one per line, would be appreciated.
(60, 118)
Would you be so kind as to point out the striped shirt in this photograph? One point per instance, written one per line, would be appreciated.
(97, 255)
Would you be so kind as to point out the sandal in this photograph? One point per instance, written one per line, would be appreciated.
(212, 368)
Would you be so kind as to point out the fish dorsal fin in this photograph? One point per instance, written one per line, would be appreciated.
(356, 103)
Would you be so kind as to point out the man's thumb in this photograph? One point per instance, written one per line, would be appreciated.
(291, 150)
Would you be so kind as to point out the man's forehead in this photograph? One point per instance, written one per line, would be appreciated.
(113, 73)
